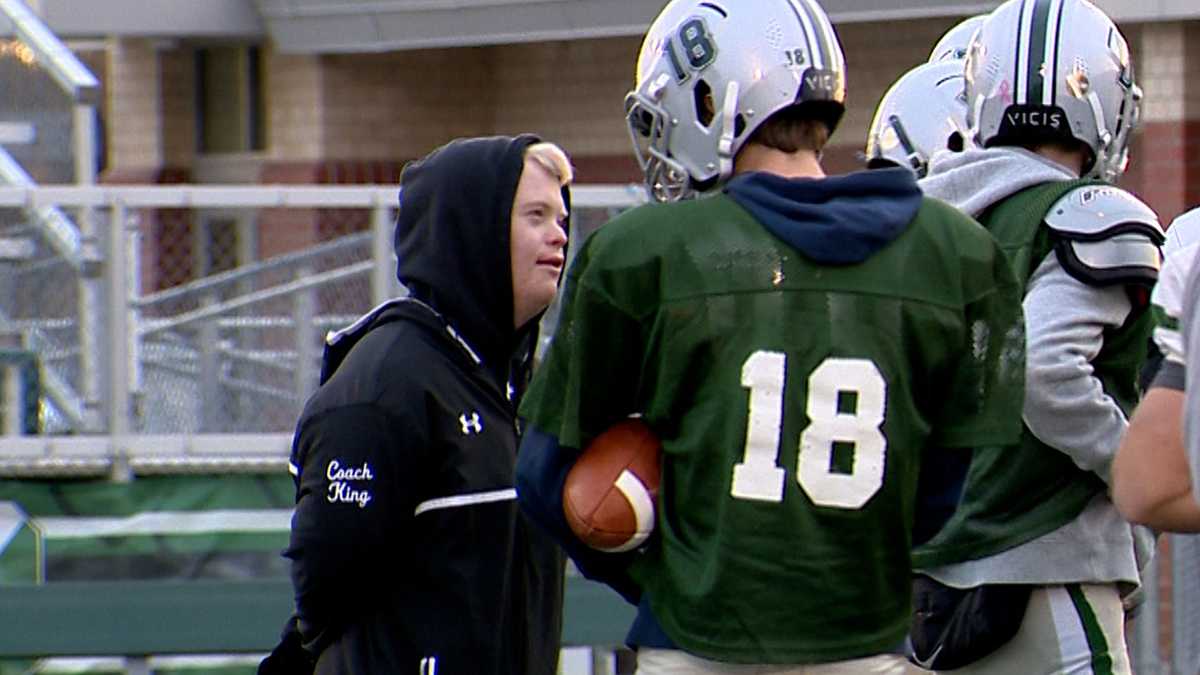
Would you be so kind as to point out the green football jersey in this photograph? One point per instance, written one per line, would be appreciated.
(795, 402)
(1014, 495)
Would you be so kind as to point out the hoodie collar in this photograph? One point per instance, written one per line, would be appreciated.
(452, 239)
(838, 220)
(973, 180)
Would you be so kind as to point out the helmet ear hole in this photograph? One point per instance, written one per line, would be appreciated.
(706, 108)
(955, 142)
(643, 122)
(739, 125)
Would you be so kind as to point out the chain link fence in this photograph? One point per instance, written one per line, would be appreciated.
(40, 315)
(238, 349)
(40, 295)
(227, 299)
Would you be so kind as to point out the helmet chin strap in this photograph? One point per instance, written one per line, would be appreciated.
(728, 126)
(1104, 156)
(1119, 159)
(976, 114)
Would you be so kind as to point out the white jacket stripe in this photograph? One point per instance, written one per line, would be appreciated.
(472, 499)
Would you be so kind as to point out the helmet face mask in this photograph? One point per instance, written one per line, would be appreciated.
(1030, 80)
(711, 71)
(650, 132)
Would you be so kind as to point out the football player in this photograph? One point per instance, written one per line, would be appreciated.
(924, 112)
(1166, 300)
(1151, 481)
(1184, 231)
(796, 341)
(1036, 556)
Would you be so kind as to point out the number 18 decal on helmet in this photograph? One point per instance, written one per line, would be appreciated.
(710, 72)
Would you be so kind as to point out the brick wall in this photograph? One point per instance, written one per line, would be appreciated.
(295, 107)
(1164, 168)
(569, 92)
(341, 118)
(399, 105)
(132, 107)
(876, 56)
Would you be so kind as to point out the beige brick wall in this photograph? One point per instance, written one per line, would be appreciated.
(1165, 154)
(1166, 58)
(1159, 70)
(568, 92)
(391, 107)
(877, 54)
(132, 108)
(401, 105)
(294, 106)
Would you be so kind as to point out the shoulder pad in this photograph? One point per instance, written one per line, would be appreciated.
(1094, 212)
(1106, 237)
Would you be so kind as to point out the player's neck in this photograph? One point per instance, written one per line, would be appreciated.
(800, 164)
(1073, 160)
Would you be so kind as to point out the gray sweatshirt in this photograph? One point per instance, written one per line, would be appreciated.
(1065, 405)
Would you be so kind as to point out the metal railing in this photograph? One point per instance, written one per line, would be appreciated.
(219, 361)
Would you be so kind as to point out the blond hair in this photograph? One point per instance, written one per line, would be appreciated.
(553, 159)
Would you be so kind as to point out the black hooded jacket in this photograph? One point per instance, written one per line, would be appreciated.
(409, 554)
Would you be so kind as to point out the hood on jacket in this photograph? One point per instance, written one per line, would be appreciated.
(839, 220)
(452, 240)
(973, 180)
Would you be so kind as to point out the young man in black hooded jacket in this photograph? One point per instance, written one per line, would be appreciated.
(409, 554)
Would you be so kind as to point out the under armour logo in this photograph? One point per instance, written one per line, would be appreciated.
(470, 425)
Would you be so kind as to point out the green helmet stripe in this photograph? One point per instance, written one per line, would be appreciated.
(1035, 77)
(817, 52)
(1058, 14)
(1018, 88)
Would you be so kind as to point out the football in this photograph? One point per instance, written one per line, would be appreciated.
(609, 494)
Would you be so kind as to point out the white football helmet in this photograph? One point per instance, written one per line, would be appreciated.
(711, 71)
(1053, 70)
(952, 46)
(923, 112)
